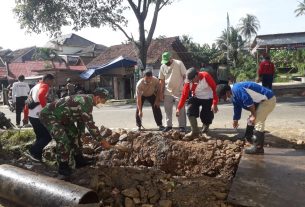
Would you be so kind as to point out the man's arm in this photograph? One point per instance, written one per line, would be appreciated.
(14, 93)
(161, 94)
(139, 105)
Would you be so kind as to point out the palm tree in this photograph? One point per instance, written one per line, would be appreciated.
(301, 9)
(248, 27)
(234, 44)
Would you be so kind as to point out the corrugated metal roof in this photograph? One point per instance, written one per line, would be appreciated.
(279, 39)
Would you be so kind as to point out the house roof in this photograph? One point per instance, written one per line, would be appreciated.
(2, 73)
(22, 54)
(95, 48)
(30, 68)
(296, 39)
(70, 40)
(155, 50)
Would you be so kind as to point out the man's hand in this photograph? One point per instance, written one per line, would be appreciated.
(177, 113)
(235, 124)
(140, 114)
(214, 108)
(105, 144)
(252, 119)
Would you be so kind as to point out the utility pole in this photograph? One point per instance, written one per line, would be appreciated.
(228, 33)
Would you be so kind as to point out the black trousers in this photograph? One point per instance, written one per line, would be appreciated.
(267, 81)
(156, 111)
(20, 102)
(43, 137)
(193, 109)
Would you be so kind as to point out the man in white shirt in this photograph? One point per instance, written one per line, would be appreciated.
(172, 75)
(20, 91)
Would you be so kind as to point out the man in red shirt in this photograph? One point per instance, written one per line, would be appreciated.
(200, 89)
(266, 72)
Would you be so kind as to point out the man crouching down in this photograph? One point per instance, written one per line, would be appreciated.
(260, 101)
(60, 117)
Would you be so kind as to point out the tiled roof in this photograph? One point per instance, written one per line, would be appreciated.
(30, 68)
(155, 50)
(2, 73)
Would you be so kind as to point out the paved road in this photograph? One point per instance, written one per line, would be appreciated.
(289, 112)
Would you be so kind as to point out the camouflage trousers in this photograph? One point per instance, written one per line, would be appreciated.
(66, 135)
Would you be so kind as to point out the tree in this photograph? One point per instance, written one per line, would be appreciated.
(47, 54)
(248, 26)
(235, 44)
(301, 9)
(51, 15)
(200, 53)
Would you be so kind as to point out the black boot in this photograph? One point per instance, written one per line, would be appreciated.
(81, 161)
(258, 144)
(248, 134)
(64, 169)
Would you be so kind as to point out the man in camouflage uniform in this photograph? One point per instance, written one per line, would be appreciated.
(60, 117)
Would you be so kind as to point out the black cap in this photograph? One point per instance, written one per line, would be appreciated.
(191, 73)
(222, 89)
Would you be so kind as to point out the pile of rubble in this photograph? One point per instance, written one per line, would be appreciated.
(160, 169)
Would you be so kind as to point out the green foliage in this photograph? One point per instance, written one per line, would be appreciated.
(289, 59)
(51, 15)
(245, 69)
(200, 53)
(10, 138)
(249, 26)
(231, 41)
(301, 9)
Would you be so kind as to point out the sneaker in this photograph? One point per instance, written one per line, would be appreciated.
(182, 129)
(161, 128)
(18, 125)
(139, 129)
(166, 129)
(33, 157)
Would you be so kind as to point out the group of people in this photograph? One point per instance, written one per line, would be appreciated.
(65, 119)
(199, 91)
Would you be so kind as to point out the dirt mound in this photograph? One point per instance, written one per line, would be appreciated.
(212, 157)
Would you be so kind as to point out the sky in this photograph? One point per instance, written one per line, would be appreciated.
(202, 20)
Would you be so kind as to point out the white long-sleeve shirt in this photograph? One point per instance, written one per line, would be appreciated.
(20, 89)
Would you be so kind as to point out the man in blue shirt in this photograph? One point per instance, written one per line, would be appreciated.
(255, 98)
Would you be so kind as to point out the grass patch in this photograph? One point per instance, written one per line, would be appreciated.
(12, 138)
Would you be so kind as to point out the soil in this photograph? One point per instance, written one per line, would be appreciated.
(152, 169)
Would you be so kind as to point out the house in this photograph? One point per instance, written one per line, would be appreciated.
(73, 44)
(264, 43)
(122, 80)
(23, 62)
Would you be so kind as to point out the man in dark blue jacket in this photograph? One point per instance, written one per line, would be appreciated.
(255, 98)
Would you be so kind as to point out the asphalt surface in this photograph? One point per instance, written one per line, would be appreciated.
(289, 112)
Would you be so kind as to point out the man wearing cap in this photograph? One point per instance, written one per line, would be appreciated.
(60, 116)
(171, 76)
(148, 89)
(260, 101)
(265, 72)
(200, 88)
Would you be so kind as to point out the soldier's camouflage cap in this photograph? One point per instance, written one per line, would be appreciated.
(101, 92)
